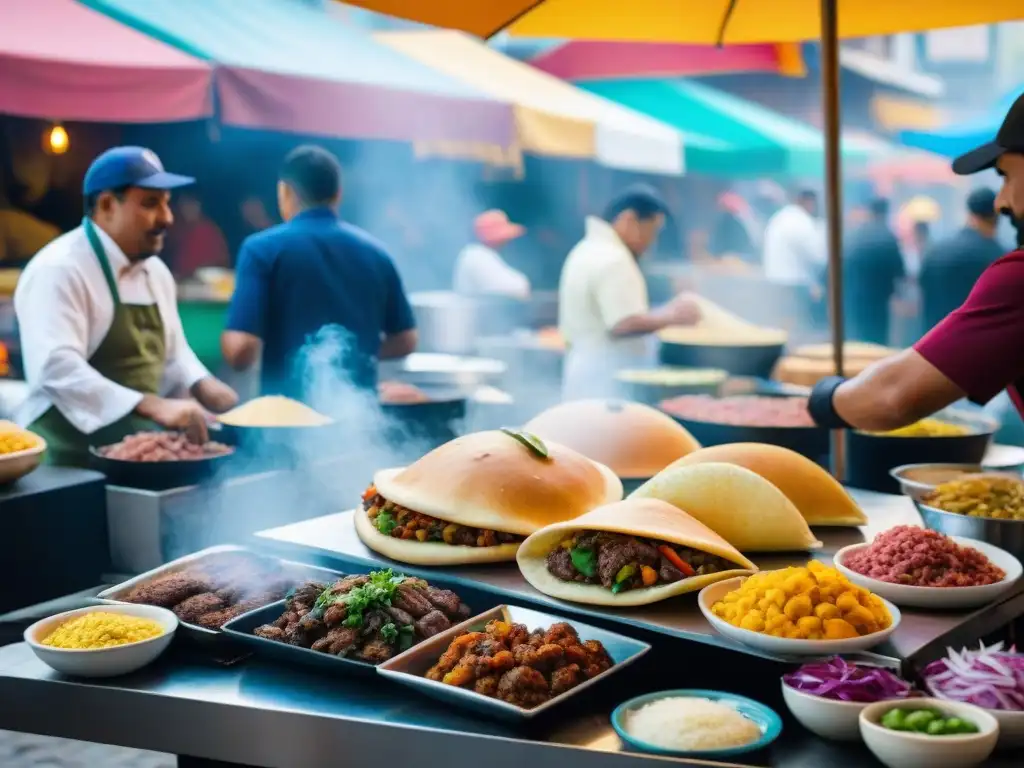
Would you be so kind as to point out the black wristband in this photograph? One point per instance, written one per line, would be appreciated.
(820, 404)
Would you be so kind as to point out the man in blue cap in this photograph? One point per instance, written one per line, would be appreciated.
(104, 351)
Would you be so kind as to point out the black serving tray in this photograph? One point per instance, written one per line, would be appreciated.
(240, 630)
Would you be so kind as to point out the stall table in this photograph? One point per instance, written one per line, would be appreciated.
(331, 541)
(208, 704)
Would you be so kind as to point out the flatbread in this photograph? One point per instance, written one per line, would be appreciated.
(739, 505)
(429, 552)
(818, 496)
(648, 518)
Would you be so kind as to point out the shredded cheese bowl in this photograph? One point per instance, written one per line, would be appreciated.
(102, 640)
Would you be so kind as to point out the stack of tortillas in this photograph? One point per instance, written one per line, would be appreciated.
(810, 364)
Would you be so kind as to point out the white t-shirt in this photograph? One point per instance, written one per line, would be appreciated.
(601, 285)
(480, 270)
(794, 248)
(64, 311)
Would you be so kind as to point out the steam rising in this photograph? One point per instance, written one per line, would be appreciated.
(331, 465)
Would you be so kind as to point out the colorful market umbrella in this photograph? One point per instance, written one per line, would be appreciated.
(699, 21)
(62, 61)
(294, 67)
(751, 140)
(603, 60)
(553, 118)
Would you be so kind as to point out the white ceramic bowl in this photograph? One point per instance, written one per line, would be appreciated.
(784, 646)
(940, 598)
(828, 718)
(14, 466)
(1011, 728)
(102, 662)
(901, 749)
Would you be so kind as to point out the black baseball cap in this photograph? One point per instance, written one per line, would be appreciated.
(130, 167)
(1009, 139)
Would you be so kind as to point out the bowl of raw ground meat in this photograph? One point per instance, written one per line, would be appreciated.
(920, 568)
(159, 460)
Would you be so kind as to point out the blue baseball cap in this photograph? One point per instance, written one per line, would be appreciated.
(130, 167)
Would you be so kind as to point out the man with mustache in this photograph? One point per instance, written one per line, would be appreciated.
(104, 351)
(975, 352)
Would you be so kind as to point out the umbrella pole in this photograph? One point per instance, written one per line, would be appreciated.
(833, 198)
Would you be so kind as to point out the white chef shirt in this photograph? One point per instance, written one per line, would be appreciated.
(480, 270)
(794, 248)
(601, 285)
(64, 311)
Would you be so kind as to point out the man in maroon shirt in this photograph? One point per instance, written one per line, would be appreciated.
(975, 352)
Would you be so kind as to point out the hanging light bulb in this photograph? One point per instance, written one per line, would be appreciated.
(56, 140)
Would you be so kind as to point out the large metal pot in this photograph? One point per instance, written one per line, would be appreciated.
(425, 369)
(450, 323)
(446, 322)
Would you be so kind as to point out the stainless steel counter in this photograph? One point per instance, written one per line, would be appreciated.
(258, 714)
(332, 541)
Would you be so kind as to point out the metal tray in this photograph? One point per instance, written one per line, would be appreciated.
(117, 593)
(409, 668)
(240, 630)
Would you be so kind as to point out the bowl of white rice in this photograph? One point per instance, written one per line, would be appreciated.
(695, 723)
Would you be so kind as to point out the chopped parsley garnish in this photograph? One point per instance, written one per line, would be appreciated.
(376, 593)
(386, 523)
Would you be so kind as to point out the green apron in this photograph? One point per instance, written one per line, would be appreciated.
(132, 354)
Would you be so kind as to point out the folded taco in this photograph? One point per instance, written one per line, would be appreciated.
(818, 496)
(476, 498)
(632, 552)
(739, 505)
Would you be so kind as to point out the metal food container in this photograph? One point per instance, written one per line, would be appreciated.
(1006, 534)
(870, 457)
(410, 667)
(753, 360)
(118, 593)
(241, 629)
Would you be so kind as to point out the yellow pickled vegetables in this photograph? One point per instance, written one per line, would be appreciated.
(812, 603)
(927, 428)
(16, 440)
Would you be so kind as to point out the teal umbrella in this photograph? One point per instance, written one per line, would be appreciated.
(729, 136)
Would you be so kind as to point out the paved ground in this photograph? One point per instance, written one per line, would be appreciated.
(18, 750)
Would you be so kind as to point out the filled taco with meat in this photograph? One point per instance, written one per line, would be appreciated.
(475, 499)
(632, 552)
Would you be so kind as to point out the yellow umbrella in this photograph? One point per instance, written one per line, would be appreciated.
(722, 21)
(681, 21)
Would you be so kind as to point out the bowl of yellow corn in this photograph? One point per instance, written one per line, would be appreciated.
(102, 640)
(21, 451)
(811, 610)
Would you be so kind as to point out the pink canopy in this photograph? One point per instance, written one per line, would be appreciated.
(60, 60)
(598, 60)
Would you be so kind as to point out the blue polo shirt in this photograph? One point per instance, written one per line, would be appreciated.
(317, 277)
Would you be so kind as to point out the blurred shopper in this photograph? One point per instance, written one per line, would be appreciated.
(479, 268)
(975, 352)
(795, 255)
(312, 272)
(737, 231)
(254, 215)
(951, 267)
(196, 241)
(872, 268)
(101, 338)
(794, 243)
(603, 311)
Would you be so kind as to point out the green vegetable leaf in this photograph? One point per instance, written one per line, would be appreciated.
(618, 586)
(531, 441)
(386, 523)
(584, 561)
(376, 593)
(405, 637)
(389, 632)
